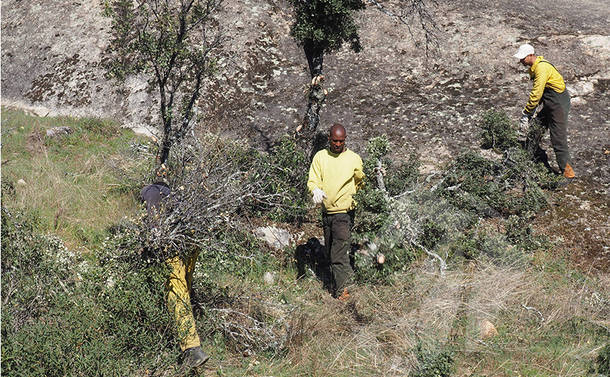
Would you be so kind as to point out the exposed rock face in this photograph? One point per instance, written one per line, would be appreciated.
(52, 54)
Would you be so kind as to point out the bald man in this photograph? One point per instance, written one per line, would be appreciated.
(334, 177)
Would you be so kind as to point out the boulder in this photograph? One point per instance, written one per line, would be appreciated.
(275, 237)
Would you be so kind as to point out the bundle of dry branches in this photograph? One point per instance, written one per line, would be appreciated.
(211, 182)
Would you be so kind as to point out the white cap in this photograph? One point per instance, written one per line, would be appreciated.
(523, 51)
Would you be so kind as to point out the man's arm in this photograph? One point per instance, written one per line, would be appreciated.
(314, 183)
(541, 76)
(358, 173)
(315, 177)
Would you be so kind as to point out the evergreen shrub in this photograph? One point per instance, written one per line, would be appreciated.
(434, 361)
(497, 131)
(66, 315)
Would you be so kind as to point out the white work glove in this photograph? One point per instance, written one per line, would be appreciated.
(525, 120)
(318, 196)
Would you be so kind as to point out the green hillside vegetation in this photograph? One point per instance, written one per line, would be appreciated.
(80, 297)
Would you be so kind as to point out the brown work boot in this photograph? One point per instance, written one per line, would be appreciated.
(344, 296)
(568, 172)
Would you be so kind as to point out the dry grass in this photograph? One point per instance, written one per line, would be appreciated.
(377, 332)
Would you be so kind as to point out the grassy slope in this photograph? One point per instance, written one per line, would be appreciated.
(552, 319)
(71, 181)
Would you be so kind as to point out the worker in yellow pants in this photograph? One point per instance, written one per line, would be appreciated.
(179, 285)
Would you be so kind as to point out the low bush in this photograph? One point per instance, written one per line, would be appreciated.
(602, 361)
(497, 131)
(285, 171)
(434, 361)
(491, 188)
(401, 217)
(66, 315)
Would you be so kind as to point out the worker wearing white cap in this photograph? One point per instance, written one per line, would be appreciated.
(550, 89)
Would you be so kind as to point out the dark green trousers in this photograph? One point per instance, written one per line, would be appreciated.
(338, 241)
(554, 116)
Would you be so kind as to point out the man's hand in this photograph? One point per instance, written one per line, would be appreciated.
(318, 196)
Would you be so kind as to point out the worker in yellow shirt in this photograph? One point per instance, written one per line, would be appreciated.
(179, 285)
(335, 175)
(550, 89)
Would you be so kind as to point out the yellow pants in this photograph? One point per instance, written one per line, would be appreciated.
(179, 284)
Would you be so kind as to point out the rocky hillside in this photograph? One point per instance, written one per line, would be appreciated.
(52, 54)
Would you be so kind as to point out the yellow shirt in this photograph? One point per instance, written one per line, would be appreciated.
(339, 176)
(545, 76)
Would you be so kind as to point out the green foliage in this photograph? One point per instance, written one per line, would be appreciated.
(285, 171)
(431, 234)
(232, 251)
(398, 215)
(398, 258)
(490, 188)
(602, 361)
(434, 362)
(519, 232)
(469, 245)
(65, 315)
(497, 132)
(326, 24)
(377, 215)
(403, 176)
(373, 208)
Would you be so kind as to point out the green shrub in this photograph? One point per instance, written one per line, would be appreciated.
(326, 24)
(403, 177)
(398, 259)
(66, 315)
(602, 361)
(497, 131)
(285, 171)
(490, 188)
(434, 361)
(519, 232)
(373, 209)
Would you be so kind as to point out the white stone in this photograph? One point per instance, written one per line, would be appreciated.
(59, 131)
(269, 278)
(275, 237)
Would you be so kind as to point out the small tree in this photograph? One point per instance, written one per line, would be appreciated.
(323, 26)
(170, 41)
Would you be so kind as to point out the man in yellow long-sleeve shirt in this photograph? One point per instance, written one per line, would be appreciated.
(550, 89)
(334, 177)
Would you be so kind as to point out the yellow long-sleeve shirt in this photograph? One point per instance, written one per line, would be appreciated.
(339, 176)
(545, 75)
